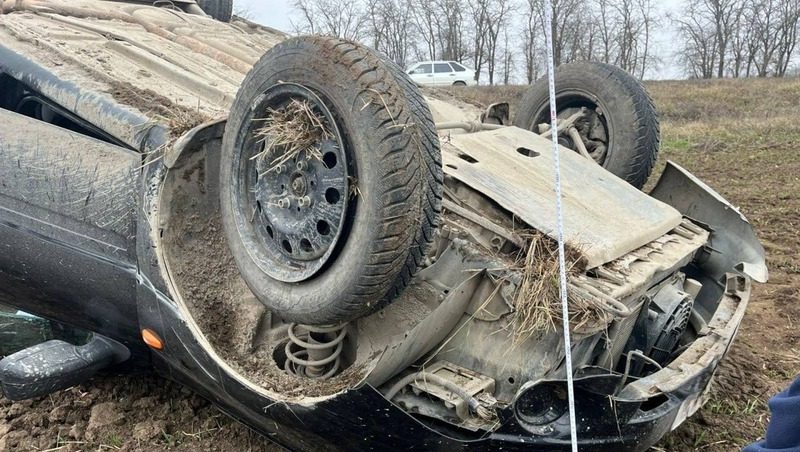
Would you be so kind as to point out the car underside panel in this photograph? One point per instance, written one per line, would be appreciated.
(603, 217)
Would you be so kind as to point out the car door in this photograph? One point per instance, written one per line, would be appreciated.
(462, 74)
(423, 74)
(443, 74)
(67, 225)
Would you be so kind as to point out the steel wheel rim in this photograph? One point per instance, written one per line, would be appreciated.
(292, 215)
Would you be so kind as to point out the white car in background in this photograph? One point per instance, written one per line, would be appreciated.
(441, 73)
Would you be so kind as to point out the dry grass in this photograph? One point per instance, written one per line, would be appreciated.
(482, 96)
(178, 118)
(289, 130)
(726, 101)
(183, 120)
(538, 299)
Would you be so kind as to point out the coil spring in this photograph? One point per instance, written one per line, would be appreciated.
(314, 351)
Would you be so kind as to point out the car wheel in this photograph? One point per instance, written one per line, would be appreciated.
(459, 83)
(324, 232)
(620, 129)
(221, 10)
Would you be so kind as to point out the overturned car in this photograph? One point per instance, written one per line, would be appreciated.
(291, 228)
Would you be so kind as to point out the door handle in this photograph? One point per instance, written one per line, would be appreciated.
(430, 75)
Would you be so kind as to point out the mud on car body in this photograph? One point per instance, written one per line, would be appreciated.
(378, 274)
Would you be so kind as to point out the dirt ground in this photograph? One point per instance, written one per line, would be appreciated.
(739, 136)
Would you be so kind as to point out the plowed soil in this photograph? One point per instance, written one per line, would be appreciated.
(741, 137)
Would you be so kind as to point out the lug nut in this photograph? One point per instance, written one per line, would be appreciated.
(305, 201)
(284, 203)
(279, 169)
(301, 165)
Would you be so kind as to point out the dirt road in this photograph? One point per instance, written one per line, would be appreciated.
(728, 133)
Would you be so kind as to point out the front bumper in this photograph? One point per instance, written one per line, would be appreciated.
(362, 419)
(643, 411)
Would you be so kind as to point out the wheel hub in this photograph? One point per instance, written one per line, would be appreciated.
(592, 130)
(299, 184)
(593, 127)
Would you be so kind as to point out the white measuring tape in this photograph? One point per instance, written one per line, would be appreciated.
(548, 32)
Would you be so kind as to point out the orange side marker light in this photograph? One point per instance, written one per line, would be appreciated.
(152, 339)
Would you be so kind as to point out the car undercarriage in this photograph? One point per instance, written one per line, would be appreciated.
(322, 298)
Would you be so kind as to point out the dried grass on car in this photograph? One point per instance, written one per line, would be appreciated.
(537, 304)
(290, 130)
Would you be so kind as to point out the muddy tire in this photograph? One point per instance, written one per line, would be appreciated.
(431, 203)
(385, 172)
(623, 132)
(221, 10)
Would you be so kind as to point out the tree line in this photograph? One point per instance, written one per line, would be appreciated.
(504, 39)
(739, 38)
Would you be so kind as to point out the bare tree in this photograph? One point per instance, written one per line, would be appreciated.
(479, 10)
(390, 22)
(725, 15)
(787, 35)
(611, 31)
(451, 29)
(423, 14)
(739, 45)
(508, 58)
(712, 22)
(749, 37)
(699, 53)
(635, 23)
(530, 46)
(341, 18)
(648, 14)
(629, 30)
(765, 25)
(606, 30)
(497, 18)
(719, 37)
(566, 26)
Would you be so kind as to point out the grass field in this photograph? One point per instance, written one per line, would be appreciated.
(741, 137)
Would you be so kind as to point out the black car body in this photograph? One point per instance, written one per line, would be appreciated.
(110, 132)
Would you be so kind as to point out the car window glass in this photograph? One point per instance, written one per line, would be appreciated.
(422, 69)
(442, 67)
(457, 67)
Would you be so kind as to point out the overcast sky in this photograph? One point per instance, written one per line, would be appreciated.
(278, 14)
(272, 13)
